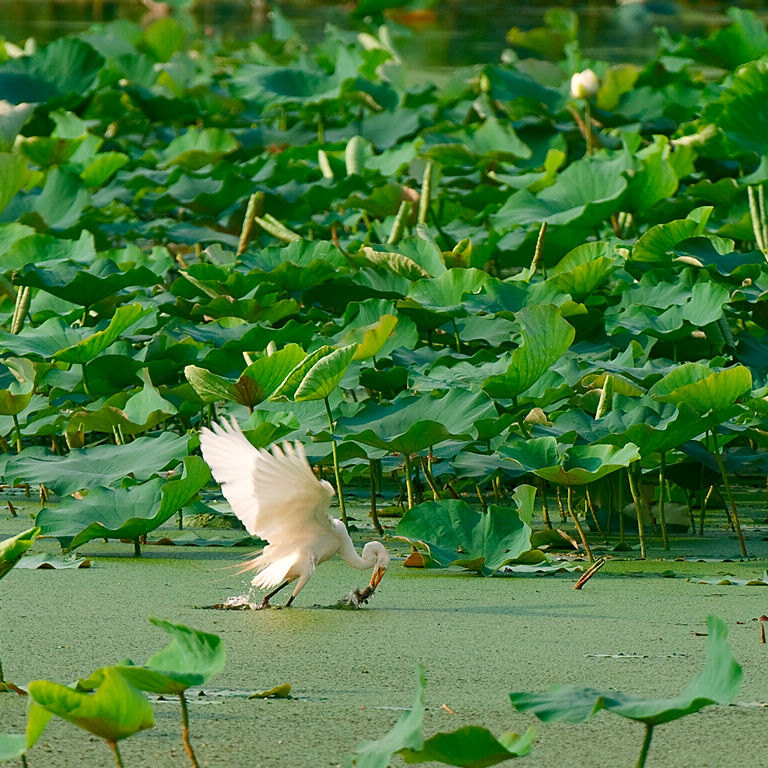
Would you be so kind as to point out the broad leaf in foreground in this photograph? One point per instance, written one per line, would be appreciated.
(114, 711)
(717, 683)
(468, 747)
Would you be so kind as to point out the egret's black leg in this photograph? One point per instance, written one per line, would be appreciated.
(290, 600)
(267, 598)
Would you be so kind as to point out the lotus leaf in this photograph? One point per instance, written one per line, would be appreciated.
(470, 747)
(454, 534)
(412, 424)
(68, 280)
(114, 711)
(100, 465)
(703, 388)
(717, 683)
(13, 548)
(545, 338)
(569, 465)
(12, 746)
(191, 658)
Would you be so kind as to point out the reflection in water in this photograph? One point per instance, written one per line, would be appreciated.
(454, 33)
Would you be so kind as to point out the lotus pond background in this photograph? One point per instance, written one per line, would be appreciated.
(519, 332)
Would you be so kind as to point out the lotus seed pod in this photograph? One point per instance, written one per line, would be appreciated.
(584, 85)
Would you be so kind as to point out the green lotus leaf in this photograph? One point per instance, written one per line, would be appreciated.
(191, 658)
(742, 41)
(703, 388)
(196, 148)
(93, 344)
(13, 548)
(325, 374)
(270, 85)
(122, 513)
(508, 85)
(100, 465)
(586, 193)
(62, 201)
(370, 339)
(131, 413)
(114, 711)
(652, 426)
(71, 282)
(663, 308)
(67, 67)
(103, 167)
(584, 268)
(164, 36)
(568, 465)
(18, 385)
(13, 117)
(455, 534)
(405, 734)
(12, 746)
(257, 382)
(471, 747)
(717, 683)
(412, 424)
(546, 336)
(654, 180)
(446, 292)
(659, 240)
(14, 173)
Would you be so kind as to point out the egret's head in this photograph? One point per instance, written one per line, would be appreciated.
(376, 554)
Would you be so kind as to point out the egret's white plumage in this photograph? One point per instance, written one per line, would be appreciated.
(279, 499)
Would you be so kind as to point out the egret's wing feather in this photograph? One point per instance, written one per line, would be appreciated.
(276, 495)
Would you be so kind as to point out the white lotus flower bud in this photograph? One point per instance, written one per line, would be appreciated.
(584, 85)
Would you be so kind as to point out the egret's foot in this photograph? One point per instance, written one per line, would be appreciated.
(264, 604)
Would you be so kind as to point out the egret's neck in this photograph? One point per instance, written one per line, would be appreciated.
(347, 551)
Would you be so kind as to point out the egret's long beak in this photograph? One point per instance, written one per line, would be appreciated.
(378, 572)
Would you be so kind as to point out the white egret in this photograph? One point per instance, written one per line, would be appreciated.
(279, 499)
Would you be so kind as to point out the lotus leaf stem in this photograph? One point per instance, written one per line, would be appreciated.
(428, 477)
(374, 512)
(408, 479)
(185, 731)
(576, 522)
(336, 468)
(18, 432)
(662, 468)
(646, 746)
(116, 751)
(638, 511)
(728, 493)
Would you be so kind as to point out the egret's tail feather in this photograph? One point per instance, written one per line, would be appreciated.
(270, 573)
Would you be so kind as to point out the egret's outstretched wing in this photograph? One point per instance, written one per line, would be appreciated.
(276, 495)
